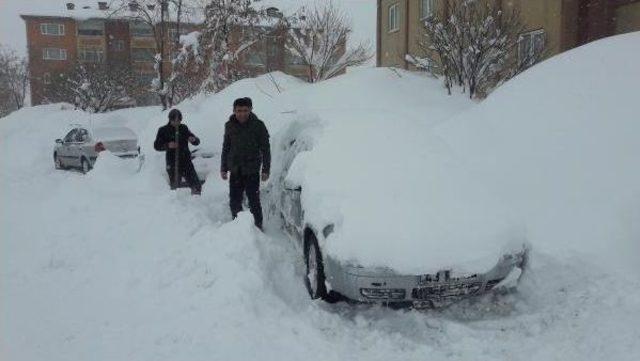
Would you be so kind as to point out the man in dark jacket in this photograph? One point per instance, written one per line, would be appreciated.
(245, 151)
(174, 138)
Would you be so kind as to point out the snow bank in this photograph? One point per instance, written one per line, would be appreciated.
(108, 166)
(560, 143)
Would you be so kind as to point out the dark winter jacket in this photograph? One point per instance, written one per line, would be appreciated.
(167, 134)
(246, 146)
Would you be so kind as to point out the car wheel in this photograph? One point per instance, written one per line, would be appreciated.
(57, 161)
(85, 167)
(314, 278)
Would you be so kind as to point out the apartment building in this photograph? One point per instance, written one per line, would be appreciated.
(88, 32)
(558, 25)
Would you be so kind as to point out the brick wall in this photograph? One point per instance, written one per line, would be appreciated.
(40, 68)
(119, 48)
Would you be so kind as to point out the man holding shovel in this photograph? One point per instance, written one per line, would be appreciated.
(174, 139)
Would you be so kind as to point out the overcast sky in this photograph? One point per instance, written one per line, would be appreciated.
(12, 28)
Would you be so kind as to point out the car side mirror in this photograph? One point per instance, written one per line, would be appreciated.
(59, 141)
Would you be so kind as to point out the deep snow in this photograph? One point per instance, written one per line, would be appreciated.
(113, 265)
(560, 144)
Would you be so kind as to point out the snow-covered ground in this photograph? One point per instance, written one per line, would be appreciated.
(113, 265)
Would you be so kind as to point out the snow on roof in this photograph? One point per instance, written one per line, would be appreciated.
(115, 9)
(114, 133)
(81, 9)
(92, 9)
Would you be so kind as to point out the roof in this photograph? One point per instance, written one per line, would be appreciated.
(118, 9)
(90, 9)
(114, 133)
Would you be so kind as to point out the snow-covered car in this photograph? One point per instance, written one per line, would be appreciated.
(379, 237)
(80, 147)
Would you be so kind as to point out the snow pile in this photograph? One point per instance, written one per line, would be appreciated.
(560, 143)
(109, 166)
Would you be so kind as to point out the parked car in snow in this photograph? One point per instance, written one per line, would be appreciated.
(80, 147)
(359, 252)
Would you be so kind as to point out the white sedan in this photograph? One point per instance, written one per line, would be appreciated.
(81, 146)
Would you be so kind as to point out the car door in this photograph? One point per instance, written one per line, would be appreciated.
(290, 202)
(66, 149)
(84, 146)
(292, 209)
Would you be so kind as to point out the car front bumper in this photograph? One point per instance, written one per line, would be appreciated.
(424, 291)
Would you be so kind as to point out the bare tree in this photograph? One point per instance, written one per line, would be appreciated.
(159, 16)
(14, 81)
(231, 27)
(189, 69)
(96, 87)
(474, 46)
(318, 37)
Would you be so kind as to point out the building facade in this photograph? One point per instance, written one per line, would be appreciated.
(57, 42)
(557, 25)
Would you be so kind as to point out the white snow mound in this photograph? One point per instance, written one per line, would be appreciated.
(560, 143)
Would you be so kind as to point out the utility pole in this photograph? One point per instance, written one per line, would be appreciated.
(164, 13)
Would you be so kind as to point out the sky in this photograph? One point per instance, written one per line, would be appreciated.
(13, 34)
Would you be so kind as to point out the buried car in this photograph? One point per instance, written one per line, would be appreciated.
(390, 217)
(81, 146)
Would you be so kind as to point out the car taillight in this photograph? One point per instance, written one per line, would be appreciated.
(99, 147)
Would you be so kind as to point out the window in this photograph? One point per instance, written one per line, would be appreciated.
(530, 47)
(394, 18)
(273, 47)
(46, 78)
(71, 136)
(143, 54)
(89, 55)
(82, 135)
(52, 29)
(117, 45)
(54, 54)
(254, 58)
(174, 32)
(91, 28)
(140, 29)
(294, 59)
(146, 79)
(426, 8)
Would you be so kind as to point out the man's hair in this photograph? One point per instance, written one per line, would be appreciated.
(175, 114)
(243, 102)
